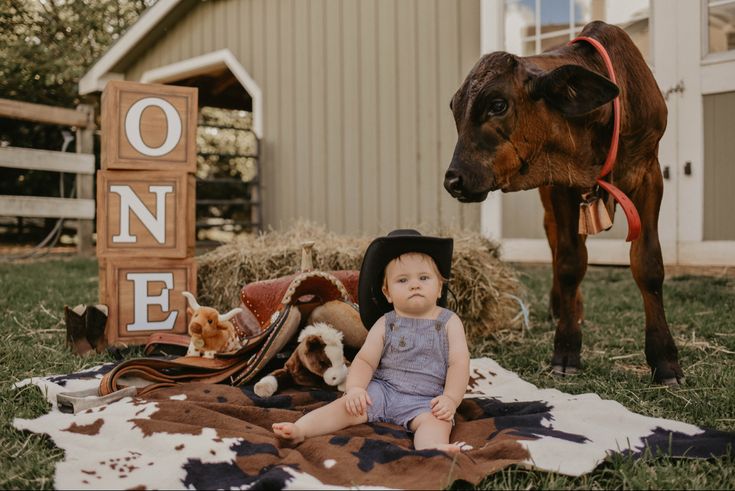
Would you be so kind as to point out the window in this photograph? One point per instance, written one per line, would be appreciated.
(534, 26)
(721, 25)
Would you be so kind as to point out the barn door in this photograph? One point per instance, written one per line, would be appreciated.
(704, 96)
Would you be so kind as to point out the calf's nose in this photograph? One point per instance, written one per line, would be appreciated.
(453, 182)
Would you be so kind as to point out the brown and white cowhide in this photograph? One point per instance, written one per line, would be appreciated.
(204, 436)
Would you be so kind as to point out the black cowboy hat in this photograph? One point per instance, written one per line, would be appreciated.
(383, 250)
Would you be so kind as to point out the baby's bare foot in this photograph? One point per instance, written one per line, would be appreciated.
(453, 448)
(449, 448)
(288, 431)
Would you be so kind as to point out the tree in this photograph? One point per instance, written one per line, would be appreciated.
(47, 45)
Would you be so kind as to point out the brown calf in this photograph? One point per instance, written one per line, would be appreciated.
(546, 121)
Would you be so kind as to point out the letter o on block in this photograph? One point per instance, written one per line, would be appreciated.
(148, 127)
(132, 126)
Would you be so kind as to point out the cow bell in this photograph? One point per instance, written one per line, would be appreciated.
(594, 217)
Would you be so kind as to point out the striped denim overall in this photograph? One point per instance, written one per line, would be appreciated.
(412, 369)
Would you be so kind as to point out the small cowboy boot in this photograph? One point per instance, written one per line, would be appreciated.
(76, 329)
(95, 322)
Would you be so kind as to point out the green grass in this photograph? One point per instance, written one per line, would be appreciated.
(32, 337)
(701, 311)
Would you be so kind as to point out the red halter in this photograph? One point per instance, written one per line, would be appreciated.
(631, 214)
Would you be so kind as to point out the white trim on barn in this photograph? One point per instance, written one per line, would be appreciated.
(97, 76)
(598, 252)
(717, 75)
(702, 75)
(205, 63)
(706, 253)
(491, 39)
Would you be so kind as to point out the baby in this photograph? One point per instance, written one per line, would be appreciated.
(413, 368)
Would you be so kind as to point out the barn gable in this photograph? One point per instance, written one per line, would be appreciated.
(356, 129)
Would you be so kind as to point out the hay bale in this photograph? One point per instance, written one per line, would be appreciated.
(482, 284)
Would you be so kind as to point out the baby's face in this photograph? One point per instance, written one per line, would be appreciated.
(412, 285)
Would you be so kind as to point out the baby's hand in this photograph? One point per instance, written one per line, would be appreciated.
(356, 401)
(443, 407)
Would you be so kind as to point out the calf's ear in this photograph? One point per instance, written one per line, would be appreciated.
(573, 90)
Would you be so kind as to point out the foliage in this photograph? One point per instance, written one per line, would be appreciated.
(47, 45)
(700, 311)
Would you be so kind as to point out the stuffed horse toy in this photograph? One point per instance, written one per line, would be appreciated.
(317, 360)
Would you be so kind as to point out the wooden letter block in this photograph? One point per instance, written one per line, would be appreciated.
(149, 127)
(145, 214)
(144, 297)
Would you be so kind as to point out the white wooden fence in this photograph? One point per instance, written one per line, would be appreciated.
(82, 207)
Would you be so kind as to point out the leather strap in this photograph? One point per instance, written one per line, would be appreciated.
(631, 214)
(157, 339)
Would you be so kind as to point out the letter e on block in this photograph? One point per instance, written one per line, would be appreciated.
(144, 297)
(145, 214)
(149, 127)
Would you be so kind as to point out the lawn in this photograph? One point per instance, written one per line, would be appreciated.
(700, 309)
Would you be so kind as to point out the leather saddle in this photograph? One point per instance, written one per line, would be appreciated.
(272, 314)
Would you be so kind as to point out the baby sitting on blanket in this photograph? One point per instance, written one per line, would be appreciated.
(413, 368)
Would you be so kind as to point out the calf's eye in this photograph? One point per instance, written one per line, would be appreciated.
(497, 107)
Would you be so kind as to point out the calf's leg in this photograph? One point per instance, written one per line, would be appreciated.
(551, 231)
(570, 265)
(646, 264)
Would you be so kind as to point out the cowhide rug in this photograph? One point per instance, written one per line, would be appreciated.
(214, 436)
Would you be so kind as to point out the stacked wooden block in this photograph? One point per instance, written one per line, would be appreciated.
(146, 208)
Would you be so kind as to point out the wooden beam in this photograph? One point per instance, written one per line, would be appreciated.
(27, 158)
(85, 182)
(220, 85)
(32, 206)
(41, 113)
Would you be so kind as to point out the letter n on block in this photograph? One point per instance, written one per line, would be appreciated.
(145, 214)
(149, 127)
(144, 297)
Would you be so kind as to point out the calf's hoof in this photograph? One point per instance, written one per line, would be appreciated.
(562, 371)
(667, 373)
(566, 364)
